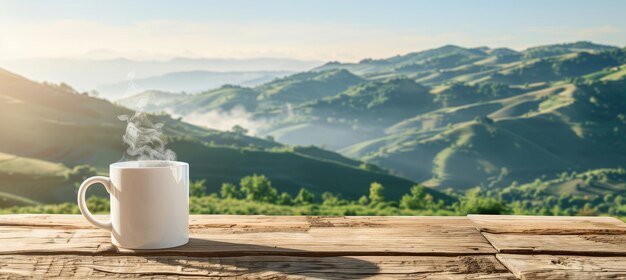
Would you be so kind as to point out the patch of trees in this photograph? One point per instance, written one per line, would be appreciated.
(460, 93)
(255, 194)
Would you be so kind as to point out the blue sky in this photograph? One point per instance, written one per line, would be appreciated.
(324, 30)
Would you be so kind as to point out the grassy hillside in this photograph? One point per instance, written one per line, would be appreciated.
(450, 117)
(511, 139)
(27, 181)
(54, 123)
(271, 96)
(461, 117)
(458, 117)
(584, 193)
(457, 64)
(307, 86)
(333, 135)
(562, 67)
(51, 128)
(374, 102)
(412, 64)
(354, 115)
(223, 98)
(593, 184)
(519, 104)
(287, 170)
(560, 49)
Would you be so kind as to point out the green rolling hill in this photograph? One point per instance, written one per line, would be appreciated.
(288, 170)
(567, 66)
(412, 65)
(27, 181)
(358, 113)
(224, 98)
(559, 49)
(49, 129)
(596, 183)
(271, 96)
(518, 138)
(598, 190)
(306, 86)
(458, 64)
(453, 116)
(450, 117)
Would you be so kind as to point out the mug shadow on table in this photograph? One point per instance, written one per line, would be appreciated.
(217, 258)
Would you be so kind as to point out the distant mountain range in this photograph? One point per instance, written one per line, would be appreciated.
(89, 74)
(449, 117)
(188, 81)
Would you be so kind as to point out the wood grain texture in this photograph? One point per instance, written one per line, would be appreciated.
(195, 221)
(548, 224)
(295, 247)
(268, 267)
(577, 244)
(564, 267)
(259, 235)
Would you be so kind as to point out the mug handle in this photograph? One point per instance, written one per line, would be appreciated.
(82, 205)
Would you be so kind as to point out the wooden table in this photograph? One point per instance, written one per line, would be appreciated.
(476, 247)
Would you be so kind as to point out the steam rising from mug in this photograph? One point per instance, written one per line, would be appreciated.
(145, 140)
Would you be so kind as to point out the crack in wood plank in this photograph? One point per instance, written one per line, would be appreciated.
(564, 266)
(526, 237)
(525, 243)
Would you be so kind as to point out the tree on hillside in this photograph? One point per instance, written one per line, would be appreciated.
(475, 203)
(229, 190)
(197, 188)
(239, 130)
(258, 188)
(363, 200)
(67, 88)
(376, 193)
(98, 204)
(587, 210)
(414, 199)
(304, 197)
(285, 199)
(330, 199)
(79, 173)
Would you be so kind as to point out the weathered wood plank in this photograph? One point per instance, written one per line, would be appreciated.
(353, 267)
(246, 221)
(553, 235)
(577, 244)
(261, 235)
(223, 221)
(564, 267)
(548, 224)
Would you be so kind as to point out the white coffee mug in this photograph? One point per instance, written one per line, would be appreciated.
(149, 204)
